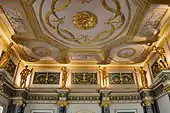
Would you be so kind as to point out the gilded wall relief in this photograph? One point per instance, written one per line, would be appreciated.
(15, 19)
(10, 68)
(153, 21)
(121, 78)
(85, 20)
(84, 78)
(46, 78)
(82, 20)
(157, 66)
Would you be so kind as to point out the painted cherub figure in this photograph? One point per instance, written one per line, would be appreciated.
(24, 74)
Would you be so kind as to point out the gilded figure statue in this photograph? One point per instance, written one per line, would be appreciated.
(6, 56)
(64, 76)
(162, 62)
(143, 77)
(104, 74)
(24, 74)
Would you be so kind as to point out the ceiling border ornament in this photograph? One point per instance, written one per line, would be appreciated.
(69, 36)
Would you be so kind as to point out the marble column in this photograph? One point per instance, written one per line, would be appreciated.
(148, 106)
(62, 102)
(105, 100)
(17, 106)
(147, 96)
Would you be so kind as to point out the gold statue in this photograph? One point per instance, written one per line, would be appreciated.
(104, 76)
(162, 62)
(6, 56)
(64, 76)
(143, 77)
(24, 74)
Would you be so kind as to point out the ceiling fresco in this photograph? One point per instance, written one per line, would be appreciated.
(104, 31)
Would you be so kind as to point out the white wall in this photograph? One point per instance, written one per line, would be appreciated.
(130, 106)
(4, 103)
(30, 107)
(164, 104)
(74, 108)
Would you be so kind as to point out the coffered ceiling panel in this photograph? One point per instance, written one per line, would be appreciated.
(104, 31)
(76, 24)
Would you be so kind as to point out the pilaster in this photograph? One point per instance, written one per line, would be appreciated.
(63, 100)
(105, 100)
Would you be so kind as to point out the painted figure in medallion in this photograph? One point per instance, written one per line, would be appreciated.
(104, 74)
(6, 56)
(143, 77)
(24, 74)
(162, 62)
(64, 76)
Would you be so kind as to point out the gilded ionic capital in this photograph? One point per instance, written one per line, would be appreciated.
(18, 102)
(148, 102)
(106, 103)
(166, 89)
(62, 103)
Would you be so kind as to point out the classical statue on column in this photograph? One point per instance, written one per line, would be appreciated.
(104, 74)
(64, 76)
(24, 74)
(6, 56)
(143, 77)
(162, 62)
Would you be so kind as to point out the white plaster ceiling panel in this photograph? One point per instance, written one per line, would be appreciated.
(128, 53)
(40, 50)
(15, 18)
(77, 24)
(154, 19)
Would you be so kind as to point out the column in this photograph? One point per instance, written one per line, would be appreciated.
(147, 97)
(17, 106)
(105, 100)
(63, 100)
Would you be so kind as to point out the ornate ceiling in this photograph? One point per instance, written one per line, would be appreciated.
(104, 31)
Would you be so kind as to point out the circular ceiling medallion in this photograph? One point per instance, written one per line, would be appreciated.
(85, 20)
(41, 51)
(126, 52)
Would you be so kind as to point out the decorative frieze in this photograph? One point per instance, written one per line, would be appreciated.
(46, 78)
(121, 78)
(84, 78)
